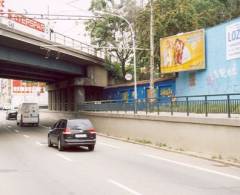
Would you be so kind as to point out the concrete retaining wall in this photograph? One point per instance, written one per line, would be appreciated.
(212, 137)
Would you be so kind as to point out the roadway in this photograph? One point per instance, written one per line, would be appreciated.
(28, 166)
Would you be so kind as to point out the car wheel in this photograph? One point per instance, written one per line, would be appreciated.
(36, 124)
(91, 147)
(49, 142)
(60, 146)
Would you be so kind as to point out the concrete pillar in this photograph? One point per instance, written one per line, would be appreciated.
(79, 96)
(67, 95)
(70, 99)
(53, 100)
(62, 100)
(58, 95)
(49, 100)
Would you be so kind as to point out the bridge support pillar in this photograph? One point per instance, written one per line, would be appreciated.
(68, 95)
(65, 97)
(79, 96)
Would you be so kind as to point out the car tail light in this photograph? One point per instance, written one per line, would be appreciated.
(67, 131)
(92, 131)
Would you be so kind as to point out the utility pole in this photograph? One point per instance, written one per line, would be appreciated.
(151, 87)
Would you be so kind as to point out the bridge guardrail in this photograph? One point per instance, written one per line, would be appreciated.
(73, 43)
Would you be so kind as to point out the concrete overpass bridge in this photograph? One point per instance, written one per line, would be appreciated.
(72, 75)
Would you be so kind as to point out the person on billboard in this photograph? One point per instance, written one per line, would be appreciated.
(181, 52)
(178, 51)
(168, 54)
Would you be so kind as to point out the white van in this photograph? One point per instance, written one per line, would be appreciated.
(28, 113)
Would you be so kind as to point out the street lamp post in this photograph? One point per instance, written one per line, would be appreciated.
(134, 52)
(151, 52)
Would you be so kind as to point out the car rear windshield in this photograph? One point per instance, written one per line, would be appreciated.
(80, 124)
(30, 107)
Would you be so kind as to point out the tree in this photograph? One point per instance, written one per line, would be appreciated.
(113, 32)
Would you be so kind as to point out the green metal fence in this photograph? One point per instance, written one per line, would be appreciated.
(202, 104)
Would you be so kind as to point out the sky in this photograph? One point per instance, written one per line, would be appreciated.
(74, 29)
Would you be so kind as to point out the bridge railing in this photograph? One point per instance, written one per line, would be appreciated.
(73, 43)
(227, 104)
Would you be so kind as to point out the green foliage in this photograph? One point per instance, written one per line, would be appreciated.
(114, 70)
(113, 32)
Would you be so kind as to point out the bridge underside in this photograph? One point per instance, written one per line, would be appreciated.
(24, 72)
(72, 76)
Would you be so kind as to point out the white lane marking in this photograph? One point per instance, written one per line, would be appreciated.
(123, 187)
(108, 145)
(17, 131)
(9, 126)
(39, 143)
(64, 157)
(43, 126)
(193, 167)
(26, 136)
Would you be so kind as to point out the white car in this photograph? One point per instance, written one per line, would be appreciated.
(28, 113)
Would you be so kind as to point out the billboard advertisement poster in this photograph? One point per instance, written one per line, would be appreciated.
(233, 41)
(19, 86)
(183, 52)
(28, 22)
(20, 22)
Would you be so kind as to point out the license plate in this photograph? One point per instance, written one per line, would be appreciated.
(80, 135)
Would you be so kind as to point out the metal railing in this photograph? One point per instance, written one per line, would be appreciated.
(78, 45)
(75, 44)
(228, 104)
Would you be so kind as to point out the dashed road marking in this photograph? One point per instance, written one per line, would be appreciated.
(123, 187)
(192, 166)
(26, 136)
(39, 143)
(9, 126)
(44, 126)
(108, 145)
(64, 157)
(17, 131)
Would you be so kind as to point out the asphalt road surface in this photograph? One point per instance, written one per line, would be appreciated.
(29, 167)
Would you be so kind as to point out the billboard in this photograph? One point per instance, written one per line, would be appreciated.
(23, 20)
(233, 41)
(19, 86)
(183, 52)
(20, 22)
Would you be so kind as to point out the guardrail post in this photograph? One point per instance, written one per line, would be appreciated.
(228, 106)
(125, 106)
(187, 106)
(158, 109)
(171, 107)
(206, 105)
(146, 105)
(136, 106)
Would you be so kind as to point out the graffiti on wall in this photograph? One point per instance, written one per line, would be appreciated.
(222, 73)
(167, 92)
